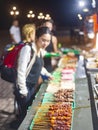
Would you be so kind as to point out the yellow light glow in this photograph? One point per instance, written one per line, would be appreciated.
(47, 15)
(30, 11)
(81, 3)
(12, 13)
(28, 15)
(14, 8)
(17, 12)
(33, 15)
(43, 17)
(85, 10)
(80, 18)
(49, 18)
(79, 15)
(39, 17)
(40, 14)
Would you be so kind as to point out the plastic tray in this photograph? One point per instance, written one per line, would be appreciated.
(48, 99)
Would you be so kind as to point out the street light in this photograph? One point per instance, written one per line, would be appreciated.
(14, 12)
(40, 16)
(82, 3)
(80, 17)
(85, 10)
(30, 15)
(47, 17)
(93, 3)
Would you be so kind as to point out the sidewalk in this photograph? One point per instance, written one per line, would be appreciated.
(6, 105)
(6, 91)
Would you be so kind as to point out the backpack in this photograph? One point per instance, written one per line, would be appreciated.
(7, 48)
(9, 64)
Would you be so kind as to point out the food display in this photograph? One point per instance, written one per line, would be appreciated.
(54, 106)
(64, 95)
(91, 65)
(68, 61)
(56, 110)
(91, 58)
(60, 116)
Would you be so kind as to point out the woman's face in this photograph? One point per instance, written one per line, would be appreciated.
(43, 41)
(16, 23)
(49, 25)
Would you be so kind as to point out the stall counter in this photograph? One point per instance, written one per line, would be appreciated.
(82, 119)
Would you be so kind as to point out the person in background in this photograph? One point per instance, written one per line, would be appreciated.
(49, 62)
(15, 32)
(26, 86)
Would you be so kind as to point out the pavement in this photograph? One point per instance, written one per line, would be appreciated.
(6, 105)
(6, 92)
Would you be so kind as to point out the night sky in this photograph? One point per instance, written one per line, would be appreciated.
(63, 12)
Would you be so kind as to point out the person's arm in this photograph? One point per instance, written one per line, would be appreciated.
(12, 38)
(46, 73)
(23, 61)
(54, 41)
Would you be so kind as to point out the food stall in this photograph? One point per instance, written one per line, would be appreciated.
(91, 67)
(63, 103)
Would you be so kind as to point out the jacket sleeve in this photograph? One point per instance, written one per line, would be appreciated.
(23, 61)
(45, 72)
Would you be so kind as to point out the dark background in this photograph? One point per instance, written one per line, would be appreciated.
(63, 12)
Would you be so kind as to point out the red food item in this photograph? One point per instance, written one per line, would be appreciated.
(60, 115)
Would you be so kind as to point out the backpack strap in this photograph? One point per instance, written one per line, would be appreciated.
(32, 51)
(33, 57)
(30, 64)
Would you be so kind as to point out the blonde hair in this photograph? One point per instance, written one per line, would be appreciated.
(27, 30)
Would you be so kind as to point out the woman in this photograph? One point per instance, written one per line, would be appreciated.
(26, 84)
(49, 62)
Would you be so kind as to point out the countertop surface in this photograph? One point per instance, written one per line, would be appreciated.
(82, 117)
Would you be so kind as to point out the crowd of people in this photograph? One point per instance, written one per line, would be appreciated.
(32, 64)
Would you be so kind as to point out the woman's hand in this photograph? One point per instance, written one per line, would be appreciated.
(51, 77)
(23, 95)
